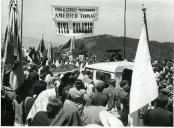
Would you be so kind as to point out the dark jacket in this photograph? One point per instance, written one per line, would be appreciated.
(158, 117)
(100, 99)
(42, 119)
(28, 104)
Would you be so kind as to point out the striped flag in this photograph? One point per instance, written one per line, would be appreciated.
(12, 60)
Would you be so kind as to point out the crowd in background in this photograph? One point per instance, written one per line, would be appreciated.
(75, 99)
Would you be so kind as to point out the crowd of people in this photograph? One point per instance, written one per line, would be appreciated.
(74, 99)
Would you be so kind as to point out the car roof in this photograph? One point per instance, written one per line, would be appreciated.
(111, 66)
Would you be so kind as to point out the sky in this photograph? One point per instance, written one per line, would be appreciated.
(37, 19)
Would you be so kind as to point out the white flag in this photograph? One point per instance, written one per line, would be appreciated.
(144, 87)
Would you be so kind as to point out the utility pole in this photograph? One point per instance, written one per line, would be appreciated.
(21, 20)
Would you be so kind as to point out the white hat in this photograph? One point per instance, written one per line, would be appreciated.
(109, 120)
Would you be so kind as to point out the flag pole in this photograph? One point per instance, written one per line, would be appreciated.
(145, 22)
(124, 49)
(72, 45)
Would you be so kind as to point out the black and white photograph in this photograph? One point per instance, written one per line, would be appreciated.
(89, 63)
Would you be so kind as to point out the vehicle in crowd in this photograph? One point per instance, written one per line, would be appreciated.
(111, 70)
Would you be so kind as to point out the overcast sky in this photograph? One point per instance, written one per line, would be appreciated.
(160, 18)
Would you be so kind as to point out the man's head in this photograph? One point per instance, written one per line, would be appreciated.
(161, 102)
(79, 84)
(164, 93)
(125, 85)
(54, 106)
(34, 76)
(99, 85)
(39, 86)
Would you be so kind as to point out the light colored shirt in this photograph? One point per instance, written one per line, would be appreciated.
(41, 102)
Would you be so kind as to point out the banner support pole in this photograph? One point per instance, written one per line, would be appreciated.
(21, 20)
(124, 47)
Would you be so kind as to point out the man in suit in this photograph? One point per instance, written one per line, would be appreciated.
(159, 116)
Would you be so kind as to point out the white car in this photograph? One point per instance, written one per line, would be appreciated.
(111, 70)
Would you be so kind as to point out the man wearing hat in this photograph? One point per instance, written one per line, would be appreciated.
(124, 100)
(166, 93)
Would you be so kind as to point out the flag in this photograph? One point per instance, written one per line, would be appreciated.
(33, 55)
(12, 60)
(144, 87)
(41, 48)
(50, 54)
(67, 45)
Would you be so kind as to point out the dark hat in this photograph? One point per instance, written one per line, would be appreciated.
(124, 82)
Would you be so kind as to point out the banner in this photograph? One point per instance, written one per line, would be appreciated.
(72, 20)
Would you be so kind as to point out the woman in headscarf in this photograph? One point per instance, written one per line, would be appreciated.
(76, 95)
(68, 116)
(38, 87)
(41, 102)
(43, 118)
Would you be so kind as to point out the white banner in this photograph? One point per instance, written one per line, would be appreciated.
(71, 13)
(73, 20)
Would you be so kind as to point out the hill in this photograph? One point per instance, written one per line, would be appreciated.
(98, 44)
